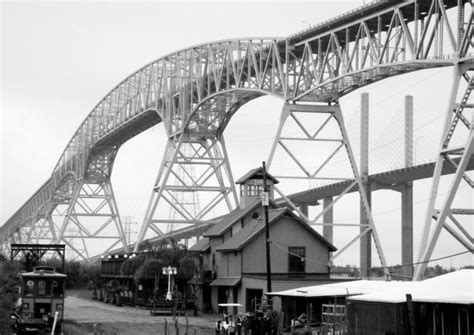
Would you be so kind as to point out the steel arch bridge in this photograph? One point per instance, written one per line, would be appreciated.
(195, 91)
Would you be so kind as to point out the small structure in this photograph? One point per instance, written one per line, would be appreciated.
(440, 305)
(33, 253)
(232, 252)
(324, 306)
(41, 303)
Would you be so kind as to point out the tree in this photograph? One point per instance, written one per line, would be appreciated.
(9, 283)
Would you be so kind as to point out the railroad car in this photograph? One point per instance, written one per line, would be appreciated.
(41, 297)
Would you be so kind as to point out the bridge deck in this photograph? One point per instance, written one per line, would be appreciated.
(384, 180)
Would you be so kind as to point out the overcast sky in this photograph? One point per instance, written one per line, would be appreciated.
(58, 59)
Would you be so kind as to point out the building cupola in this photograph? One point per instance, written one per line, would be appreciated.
(251, 186)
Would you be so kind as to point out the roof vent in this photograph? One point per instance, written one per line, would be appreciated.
(255, 215)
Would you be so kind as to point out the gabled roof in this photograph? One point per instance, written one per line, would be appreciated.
(256, 174)
(226, 222)
(201, 246)
(254, 227)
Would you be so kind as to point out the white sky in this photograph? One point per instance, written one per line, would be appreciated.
(58, 59)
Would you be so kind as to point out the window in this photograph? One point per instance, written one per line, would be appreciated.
(57, 288)
(296, 259)
(29, 287)
(255, 190)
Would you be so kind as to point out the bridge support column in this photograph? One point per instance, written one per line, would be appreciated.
(304, 209)
(328, 219)
(91, 214)
(407, 195)
(456, 117)
(365, 240)
(191, 164)
(407, 229)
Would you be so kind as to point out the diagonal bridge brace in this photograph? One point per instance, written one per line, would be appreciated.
(194, 179)
(331, 117)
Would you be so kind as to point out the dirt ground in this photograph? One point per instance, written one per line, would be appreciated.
(82, 315)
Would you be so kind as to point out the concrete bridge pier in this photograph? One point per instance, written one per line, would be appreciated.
(328, 219)
(407, 194)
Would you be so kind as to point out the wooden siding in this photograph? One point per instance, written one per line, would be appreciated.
(286, 232)
(366, 318)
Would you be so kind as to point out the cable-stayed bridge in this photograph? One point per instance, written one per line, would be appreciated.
(195, 92)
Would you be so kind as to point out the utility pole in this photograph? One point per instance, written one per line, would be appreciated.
(265, 201)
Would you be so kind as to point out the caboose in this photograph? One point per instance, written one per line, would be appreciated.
(41, 297)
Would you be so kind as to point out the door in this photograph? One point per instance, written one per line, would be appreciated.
(252, 297)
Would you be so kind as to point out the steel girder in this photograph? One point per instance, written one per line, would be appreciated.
(190, 165)
(456, 118)
(371, 43)
(336, 157)
(91, 214)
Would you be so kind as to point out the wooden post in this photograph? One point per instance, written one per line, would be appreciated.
(176, 326)
(411, 315)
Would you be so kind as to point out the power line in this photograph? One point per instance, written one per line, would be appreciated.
(379, 267)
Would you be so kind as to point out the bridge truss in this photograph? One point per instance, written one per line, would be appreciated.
(195, 92)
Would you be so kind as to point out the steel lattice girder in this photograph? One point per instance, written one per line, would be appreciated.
(432, 230)
(179, 175)
(92, 201)
(340, 154)
(322, 63)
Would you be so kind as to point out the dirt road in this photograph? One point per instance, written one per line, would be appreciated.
(87, 316)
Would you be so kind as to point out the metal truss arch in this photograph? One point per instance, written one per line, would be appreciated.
(371, 43)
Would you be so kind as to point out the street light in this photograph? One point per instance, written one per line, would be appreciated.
(169, 271)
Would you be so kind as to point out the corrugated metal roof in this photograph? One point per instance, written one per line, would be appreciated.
(455, 288)
(348, 288)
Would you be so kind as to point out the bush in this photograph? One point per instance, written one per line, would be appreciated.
(9, 282)
(266, 324)
(79, 274)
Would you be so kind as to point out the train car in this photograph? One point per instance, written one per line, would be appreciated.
(41, 297)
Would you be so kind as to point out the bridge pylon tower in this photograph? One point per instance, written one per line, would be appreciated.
(458, 129)
(91, 214)
(204, 162)
(327, 158)
(189, 200)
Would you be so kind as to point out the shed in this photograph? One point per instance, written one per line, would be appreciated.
(440, 305)
(311, 300)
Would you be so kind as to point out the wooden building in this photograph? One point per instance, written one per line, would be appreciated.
(325, 305)
(232, 252)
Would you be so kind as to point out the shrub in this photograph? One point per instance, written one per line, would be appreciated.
(9, 282)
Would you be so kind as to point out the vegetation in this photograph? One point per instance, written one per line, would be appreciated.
(396, 271)
(267, 323)
(9, 282)
(166, 253)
